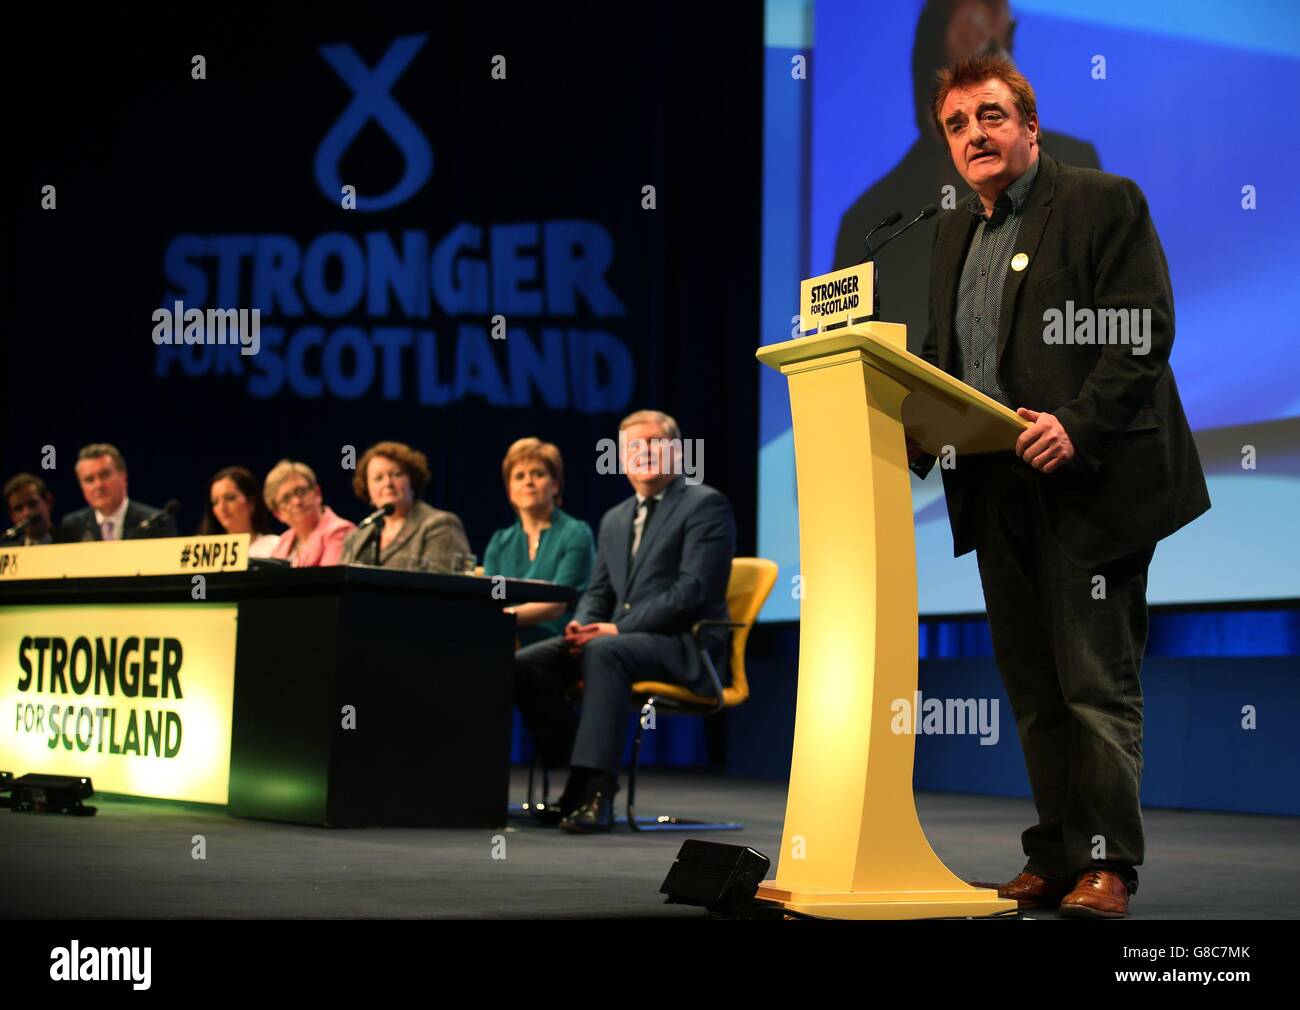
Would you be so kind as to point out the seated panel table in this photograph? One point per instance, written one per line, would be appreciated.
(362, 696)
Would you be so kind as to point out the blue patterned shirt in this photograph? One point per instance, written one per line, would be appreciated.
(979, 296)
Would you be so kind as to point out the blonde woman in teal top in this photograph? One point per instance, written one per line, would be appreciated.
(545, 542)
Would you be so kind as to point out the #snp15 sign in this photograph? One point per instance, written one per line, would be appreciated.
(109, 558)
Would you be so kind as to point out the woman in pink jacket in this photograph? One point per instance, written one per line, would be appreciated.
(315, 534)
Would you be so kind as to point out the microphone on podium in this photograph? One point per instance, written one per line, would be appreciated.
(892, 219)
(928, 211)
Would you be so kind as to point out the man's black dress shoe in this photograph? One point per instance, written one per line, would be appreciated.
(593, 817)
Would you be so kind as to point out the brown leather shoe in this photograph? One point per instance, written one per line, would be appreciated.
(1099, 894)
(1031, 891)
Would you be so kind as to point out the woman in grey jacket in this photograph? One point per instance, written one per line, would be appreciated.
(415, 535)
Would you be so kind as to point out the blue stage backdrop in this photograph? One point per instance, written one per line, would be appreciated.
(460, 226)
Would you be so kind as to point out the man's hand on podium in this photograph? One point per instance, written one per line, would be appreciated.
(1045, 445)
(919, 461)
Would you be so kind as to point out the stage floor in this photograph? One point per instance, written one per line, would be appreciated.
(134, 860)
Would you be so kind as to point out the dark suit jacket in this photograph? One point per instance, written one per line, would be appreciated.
(679, 575)
(81, 525)
(1091, 241)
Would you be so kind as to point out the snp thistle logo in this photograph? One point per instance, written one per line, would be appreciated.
(371, 100)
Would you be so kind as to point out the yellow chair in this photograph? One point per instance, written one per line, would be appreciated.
(748, 588)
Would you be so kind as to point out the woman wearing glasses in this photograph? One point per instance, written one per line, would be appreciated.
(315, 534)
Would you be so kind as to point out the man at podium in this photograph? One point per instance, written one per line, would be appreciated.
(1050, 293)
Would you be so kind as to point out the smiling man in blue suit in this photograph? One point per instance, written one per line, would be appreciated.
(663, 560)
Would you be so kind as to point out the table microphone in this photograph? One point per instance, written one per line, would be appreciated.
(18, 528)
(370, 520)
(170, 509)
(376, 515)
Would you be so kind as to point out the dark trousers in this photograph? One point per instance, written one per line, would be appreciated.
(1068, 643)
(608, 667)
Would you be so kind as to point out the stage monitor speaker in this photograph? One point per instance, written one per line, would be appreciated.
(60, 794)
(721, 878)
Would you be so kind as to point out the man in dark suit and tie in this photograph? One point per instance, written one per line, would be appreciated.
(110, 514)
(1065, 526)
(663, 561)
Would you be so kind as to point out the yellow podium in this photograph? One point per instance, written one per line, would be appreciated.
(852, 847)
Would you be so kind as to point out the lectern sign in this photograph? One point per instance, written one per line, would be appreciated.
(844, 296)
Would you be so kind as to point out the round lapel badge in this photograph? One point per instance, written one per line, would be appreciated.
(1019, 261)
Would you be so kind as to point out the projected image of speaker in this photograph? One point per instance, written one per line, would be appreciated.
(721, 878)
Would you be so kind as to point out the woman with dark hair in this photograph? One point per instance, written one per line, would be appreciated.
(414, 535)
(234, 505)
